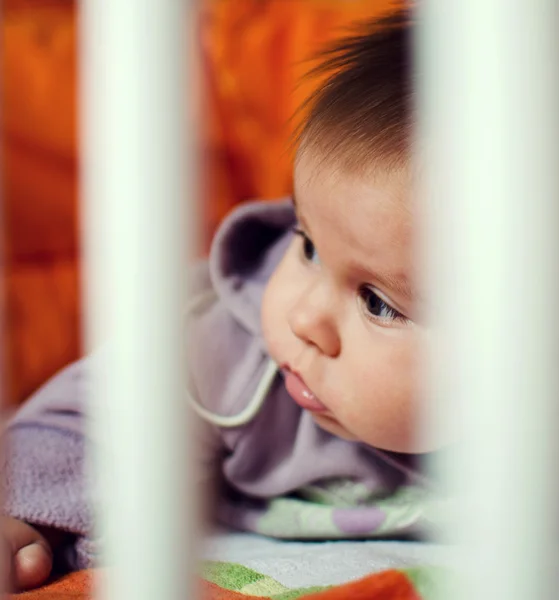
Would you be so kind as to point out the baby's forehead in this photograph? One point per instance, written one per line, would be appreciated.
(387, 185)
(365, 219)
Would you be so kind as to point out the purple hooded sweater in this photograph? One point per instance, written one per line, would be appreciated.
(282, 475)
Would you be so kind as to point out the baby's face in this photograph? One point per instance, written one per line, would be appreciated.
(340, 311)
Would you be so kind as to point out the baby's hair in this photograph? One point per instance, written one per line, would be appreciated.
(362, 114)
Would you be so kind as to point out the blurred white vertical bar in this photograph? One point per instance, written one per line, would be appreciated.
(489, 130)
(137, 170)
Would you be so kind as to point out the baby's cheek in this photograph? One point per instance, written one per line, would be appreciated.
(280, 294)
(381, 408)
(275, 328)
(269, 320)
(401, 400)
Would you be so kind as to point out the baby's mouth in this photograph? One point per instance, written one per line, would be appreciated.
(300, 392)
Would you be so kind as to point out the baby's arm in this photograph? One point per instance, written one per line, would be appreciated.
(46, 500)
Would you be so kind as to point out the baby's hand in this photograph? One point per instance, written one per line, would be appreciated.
(27, 555)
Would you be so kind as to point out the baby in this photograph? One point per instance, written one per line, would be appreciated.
(306, 355)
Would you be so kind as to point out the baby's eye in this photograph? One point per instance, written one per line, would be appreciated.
(377, 308)
(309, 251)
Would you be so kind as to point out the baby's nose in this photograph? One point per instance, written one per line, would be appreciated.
(312, 319)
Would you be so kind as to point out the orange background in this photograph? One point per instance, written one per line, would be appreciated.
(252, 58)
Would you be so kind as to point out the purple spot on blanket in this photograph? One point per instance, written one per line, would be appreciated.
(358, 521)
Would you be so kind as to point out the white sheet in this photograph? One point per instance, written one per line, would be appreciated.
(302, 564)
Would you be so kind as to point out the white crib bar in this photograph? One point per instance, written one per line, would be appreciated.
(490, 130)
(137, 169)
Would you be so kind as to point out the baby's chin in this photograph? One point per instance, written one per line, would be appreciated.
(334, 427)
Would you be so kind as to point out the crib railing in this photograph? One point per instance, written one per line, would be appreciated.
(137, 170)
(489, 124)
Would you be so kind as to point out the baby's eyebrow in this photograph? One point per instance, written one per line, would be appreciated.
(401, 285)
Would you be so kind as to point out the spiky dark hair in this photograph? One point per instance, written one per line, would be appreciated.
(362, 114)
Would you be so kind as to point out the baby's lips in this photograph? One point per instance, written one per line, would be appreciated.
(300, 392)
